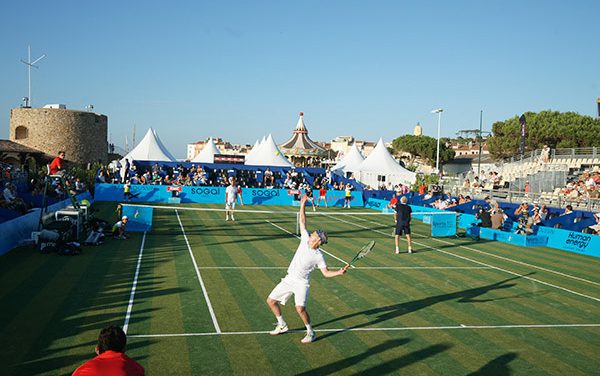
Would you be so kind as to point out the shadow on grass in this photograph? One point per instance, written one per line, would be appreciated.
(383, 314)
(356, 359)
(390, 366)
(497, 367)
(57, 362)
(75, 298)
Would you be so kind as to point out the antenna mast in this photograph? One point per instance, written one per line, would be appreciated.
(30, 64)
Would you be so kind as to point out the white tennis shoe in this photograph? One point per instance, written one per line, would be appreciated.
(279, 329)
(309, 338)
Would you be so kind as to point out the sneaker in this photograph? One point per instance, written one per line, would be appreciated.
(396, 252)
(233, 219)
(279, 329)
(409, 250)
(226, 218)
(310, 337)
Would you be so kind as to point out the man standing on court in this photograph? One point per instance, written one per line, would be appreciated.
(230, 199)
(308, 256)
(402, 216)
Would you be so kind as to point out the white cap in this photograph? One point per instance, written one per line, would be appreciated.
(124, 217)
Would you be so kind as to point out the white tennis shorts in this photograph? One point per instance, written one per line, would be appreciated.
(230, 205)
(284, 290)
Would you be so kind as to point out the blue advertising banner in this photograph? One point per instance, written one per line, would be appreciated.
(376, 204)
(577, 242)
(443, 224)
(214, 195)
(139, 217)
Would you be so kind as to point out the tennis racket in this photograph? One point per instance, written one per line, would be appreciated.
(363, 252)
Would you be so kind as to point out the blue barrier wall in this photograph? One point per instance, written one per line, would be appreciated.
(215, 195)
(140, 218)
(571, 241)
(577, 242)
(17, 230)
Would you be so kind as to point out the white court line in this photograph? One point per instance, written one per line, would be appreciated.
(400, 329)
(335, 257)
(482, 263)
(210, 308)
(358, 267)
(252, 211)
(133, 287)
(503, 258)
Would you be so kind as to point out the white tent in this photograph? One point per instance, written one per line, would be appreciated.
(349, 162)
(207, 155)
(252, 151)
(268, 154)
(150, 148)
(380, 164)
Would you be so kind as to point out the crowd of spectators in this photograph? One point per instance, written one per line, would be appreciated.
(196, 175)
(584, 186)
(22, 191)
(489, 180)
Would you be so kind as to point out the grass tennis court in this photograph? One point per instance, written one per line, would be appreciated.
(456, 306)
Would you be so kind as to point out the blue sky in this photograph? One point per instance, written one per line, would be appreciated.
(243, 69)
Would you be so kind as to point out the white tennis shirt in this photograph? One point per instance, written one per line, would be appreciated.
(231, 193)
(304, 262)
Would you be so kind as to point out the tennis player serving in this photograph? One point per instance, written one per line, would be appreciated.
(308, 256)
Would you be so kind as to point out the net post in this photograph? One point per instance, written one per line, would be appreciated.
(298, 224)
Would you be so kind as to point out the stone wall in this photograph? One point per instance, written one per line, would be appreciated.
(82, 135)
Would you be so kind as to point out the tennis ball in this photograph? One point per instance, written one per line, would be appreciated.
(84, 202)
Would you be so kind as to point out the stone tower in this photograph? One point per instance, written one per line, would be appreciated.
(82, 135)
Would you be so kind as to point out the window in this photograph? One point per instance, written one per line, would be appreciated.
(21, 133)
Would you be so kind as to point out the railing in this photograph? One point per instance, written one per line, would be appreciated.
(534, 155)
(591, 152)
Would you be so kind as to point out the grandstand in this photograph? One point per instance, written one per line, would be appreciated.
(535, 181)
(563, 162)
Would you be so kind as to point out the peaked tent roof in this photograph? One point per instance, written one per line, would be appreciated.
(300, 144)
(150, 148)
(381, 162)
(351, 161)
(252, 153)
(268, 154)
(207, 155)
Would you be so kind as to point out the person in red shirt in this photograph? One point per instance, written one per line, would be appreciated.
(323, 194)
(56, 165)
(111, 359)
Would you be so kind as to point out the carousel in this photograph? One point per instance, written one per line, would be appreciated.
(301, 150)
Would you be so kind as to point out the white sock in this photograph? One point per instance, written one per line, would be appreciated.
(309, 328)
(397, 249)
(280, 320)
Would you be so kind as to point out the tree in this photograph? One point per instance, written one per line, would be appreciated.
(424, 147)
(552, 128)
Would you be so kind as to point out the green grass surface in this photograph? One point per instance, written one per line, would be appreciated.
(455, 307)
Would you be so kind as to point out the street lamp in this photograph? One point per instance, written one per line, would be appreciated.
(437, 158)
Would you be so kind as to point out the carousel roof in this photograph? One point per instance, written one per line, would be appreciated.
(300, 144)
